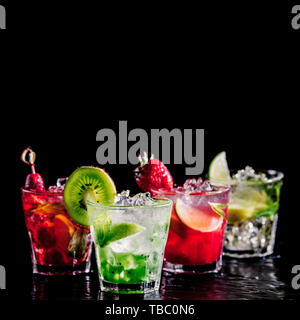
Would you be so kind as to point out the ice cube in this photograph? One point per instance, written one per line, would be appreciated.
(60, 185)
(249, 174)
(123, 198)
(61, 182)
(55, 189)
(192, 184)
(124, 245)
(140, 199)
(205, 187)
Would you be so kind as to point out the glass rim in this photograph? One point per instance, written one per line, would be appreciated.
(272, 176)
(167, 202)
(222, 188)
(42, 193)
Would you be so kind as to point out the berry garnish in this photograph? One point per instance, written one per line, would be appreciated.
(152, 174)
(33, 180)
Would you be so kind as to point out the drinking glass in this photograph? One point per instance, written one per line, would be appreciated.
(59, 246)
(197, 227)
(253, 216)
(130, 243)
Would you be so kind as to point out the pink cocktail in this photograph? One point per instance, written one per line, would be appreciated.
(198, 221)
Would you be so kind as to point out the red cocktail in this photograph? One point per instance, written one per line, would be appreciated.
(59, 245)
(197, 227)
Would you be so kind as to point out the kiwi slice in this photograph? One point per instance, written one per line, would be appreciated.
(87, 183)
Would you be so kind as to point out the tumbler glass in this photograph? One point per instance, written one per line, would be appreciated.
(59, 246)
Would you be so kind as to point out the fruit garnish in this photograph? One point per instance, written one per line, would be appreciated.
(240, 211)
(120, 231)
(152, 174)
(87, 183)
(218, 169)
(106, 233)
(50, 209)
(218, 208)
(33, 180)
(246, 202)
(64, 230)
(79, 242)
(196, 219)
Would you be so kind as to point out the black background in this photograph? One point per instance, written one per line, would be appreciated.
(70, 70)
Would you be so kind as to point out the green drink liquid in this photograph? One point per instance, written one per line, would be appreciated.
(123, 268)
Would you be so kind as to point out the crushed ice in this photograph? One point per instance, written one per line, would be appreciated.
(140, 199)
(252, 234)
(60, 185)
(193, 185)
(249, 174)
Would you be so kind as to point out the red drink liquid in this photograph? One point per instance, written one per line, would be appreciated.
(59, 245)
(198, 222)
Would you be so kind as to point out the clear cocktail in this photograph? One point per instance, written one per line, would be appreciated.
(253, 209)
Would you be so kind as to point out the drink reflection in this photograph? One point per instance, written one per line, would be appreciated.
(239, 280)
(79, 287)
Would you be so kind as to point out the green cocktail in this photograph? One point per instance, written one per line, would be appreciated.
(130, 240)
(129, 233)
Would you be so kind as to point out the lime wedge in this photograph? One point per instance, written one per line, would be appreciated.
(218, 169)
(245, 202)
(106, 233)
(238, 212)
(120, 231)
(218, 208)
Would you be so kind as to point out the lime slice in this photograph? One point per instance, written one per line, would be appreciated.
(106, 233)
(218, 169)
(120, 231)
(245, 203)
(240, 211)
(218, 208)
(196, 219)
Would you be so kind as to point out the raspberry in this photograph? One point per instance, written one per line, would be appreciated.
(35, 181)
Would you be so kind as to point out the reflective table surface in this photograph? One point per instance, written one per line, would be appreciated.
(255, 279)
